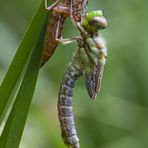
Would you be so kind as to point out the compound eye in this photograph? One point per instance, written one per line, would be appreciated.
(98, 22)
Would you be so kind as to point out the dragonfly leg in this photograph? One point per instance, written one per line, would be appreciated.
(66, 40)
(71, 13)
(57, 29)
(77, 24)
(84, 3)
(52, 5)
(58, 8)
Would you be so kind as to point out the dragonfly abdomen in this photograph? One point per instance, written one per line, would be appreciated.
(65, 111)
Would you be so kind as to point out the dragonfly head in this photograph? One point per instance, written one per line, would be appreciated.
(94, 21)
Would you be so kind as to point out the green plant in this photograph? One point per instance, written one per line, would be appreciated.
(20, 80)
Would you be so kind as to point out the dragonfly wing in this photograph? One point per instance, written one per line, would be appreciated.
(93, 80)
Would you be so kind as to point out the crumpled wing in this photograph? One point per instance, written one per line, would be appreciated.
(93, 80)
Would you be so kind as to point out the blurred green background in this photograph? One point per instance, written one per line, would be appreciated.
(118, 118)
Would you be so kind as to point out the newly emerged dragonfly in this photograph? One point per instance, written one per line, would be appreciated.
(89, 60)
(60, 10)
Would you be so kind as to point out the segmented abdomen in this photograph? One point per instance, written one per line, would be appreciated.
(65, 112)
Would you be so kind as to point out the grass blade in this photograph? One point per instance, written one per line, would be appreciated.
(23, 52)
(12, 132)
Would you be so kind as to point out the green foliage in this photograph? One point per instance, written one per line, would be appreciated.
(13, 129)
(20, 58)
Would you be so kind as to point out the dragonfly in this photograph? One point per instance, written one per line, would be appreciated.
(88, 60)
(60, 10)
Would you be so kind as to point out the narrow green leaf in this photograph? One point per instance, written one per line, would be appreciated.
(23, 52)
(13, 129)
